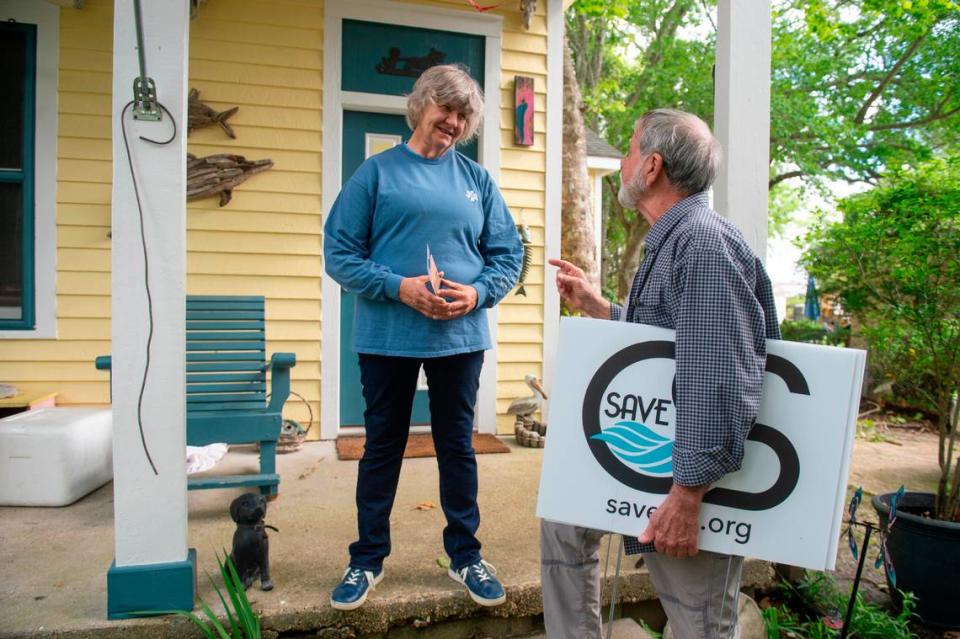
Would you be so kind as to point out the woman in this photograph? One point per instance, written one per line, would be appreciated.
(419, 194)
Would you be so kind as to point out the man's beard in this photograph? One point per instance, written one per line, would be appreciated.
(630, 193)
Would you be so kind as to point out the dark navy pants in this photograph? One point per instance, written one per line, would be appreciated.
(389, 385)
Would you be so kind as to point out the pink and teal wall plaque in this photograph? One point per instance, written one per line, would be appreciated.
(523, 111)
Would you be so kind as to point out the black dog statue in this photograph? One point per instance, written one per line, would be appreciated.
(250, 547)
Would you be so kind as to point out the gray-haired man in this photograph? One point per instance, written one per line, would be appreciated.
(700, 278)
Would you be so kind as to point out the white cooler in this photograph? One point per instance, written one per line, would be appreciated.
(54, 456)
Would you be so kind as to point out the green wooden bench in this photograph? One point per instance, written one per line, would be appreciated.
(227, 398)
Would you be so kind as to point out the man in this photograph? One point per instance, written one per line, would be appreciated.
(699, 277)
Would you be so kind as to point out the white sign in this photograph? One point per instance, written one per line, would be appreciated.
(608, 460)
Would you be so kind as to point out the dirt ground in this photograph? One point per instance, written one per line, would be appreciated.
(889, 450)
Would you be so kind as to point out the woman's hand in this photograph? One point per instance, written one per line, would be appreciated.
(415, 294)
(463, 298)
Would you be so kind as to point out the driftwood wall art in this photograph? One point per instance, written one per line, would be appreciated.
(216, 174)
(195, 8)
(199, 115)
(219, 174)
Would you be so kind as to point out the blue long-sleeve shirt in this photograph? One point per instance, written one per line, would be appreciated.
(377, 233)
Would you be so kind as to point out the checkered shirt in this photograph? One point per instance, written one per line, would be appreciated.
(700, 278)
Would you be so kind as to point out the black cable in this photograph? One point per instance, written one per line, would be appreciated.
(172, 135)
(146, 264)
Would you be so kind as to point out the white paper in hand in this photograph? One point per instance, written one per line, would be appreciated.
(432, 273)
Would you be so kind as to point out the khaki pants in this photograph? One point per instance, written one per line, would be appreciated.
(699, 594)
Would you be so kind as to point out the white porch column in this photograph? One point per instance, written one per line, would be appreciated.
(742, 116)
(150, 510)
(554, 169)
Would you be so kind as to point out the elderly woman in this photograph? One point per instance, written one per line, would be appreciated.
(398, 202)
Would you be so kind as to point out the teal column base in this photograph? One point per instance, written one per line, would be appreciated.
(147, 589)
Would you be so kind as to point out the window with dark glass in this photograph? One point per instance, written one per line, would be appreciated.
(17, 107)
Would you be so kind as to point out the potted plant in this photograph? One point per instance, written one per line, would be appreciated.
(893, 261)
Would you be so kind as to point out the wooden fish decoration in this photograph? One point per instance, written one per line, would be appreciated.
(524, 232)
(527, 9)
(199, 115)
(219, 174)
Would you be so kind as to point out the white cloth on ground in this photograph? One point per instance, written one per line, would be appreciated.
(201, 458)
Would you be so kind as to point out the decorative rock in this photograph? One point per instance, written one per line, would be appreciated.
(624, 628)
(530, 433)
(749, 621)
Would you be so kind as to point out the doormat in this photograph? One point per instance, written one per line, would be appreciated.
(419, 445)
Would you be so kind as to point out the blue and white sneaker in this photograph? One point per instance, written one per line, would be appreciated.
(479, 579)
(353, 589)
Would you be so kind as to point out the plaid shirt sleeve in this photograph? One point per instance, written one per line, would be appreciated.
(720, 354)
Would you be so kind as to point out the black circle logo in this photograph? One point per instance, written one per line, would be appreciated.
(789, 473)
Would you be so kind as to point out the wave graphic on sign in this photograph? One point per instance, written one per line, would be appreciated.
(638, 445)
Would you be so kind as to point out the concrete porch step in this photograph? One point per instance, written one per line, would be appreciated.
(56, 559)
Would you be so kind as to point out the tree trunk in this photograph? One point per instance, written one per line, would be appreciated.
(576, 231)
(635, 230)
(632, 253)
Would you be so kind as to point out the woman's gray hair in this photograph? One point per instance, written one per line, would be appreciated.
(447, 85)
(691, 155)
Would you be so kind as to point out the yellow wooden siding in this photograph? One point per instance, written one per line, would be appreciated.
(265, 58)
(523, 180)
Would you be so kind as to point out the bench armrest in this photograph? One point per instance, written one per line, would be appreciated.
(283, 360)
(280, 364)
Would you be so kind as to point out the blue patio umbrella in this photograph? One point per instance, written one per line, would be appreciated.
(811, 304)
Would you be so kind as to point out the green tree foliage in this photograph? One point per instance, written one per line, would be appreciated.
(893, 261)
(859, 87)
(806, 330)
(630, 57)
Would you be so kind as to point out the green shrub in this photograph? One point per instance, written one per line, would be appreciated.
(818, 592)
(243, 622)
(893, 261)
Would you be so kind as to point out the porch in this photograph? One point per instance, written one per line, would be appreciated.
(54, 584)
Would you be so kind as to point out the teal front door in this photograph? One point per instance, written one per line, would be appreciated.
(375, 58)
(365, 134)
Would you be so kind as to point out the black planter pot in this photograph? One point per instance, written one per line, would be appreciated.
(926, 556)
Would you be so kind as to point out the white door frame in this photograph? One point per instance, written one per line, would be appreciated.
(335, 101)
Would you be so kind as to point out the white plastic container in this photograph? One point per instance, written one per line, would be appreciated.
(54, 456)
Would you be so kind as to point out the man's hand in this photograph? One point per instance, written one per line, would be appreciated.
(674, 527)
(463, 298)
(415, 294)
(577, 292)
